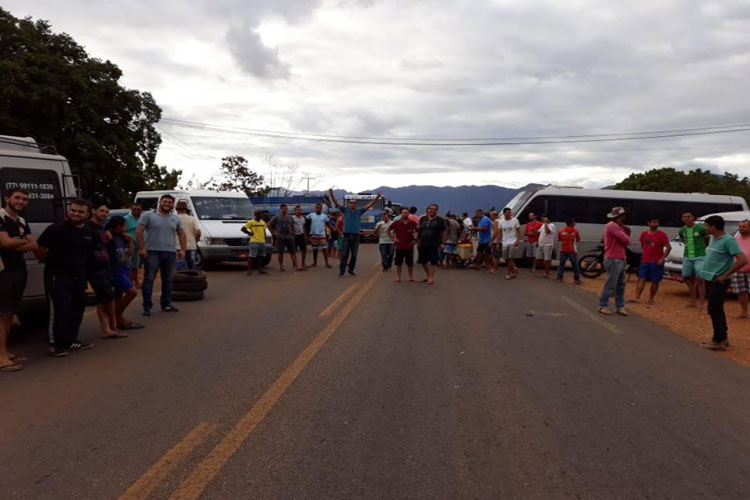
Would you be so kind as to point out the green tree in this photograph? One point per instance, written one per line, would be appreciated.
(52, 90)
(237, 176)
(694, 181)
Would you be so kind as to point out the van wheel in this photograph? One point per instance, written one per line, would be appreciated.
(266, 260)
(198, 259)
(34, 318)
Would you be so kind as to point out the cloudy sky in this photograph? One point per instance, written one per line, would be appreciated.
(431, 69)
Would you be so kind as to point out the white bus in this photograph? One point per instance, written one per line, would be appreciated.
(47, 177)
(589, 208)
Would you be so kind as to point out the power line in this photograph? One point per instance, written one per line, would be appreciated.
(460, 139)
(699, 131)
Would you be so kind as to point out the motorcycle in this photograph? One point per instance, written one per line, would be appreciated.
(591, 264)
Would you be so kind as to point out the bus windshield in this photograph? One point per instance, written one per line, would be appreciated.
(218, 208)
(519, 200)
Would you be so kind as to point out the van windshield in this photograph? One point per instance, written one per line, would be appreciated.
(218, 208)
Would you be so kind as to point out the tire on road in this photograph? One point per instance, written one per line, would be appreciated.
(191, 276)
(187, 296)
(189, 286)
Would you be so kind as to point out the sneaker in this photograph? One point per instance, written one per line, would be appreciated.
(170, 309)
(147, 312)
(352, 273)
(80, 346)
(56, 352)
(605, 311)
(715, 346)
(341, 275)
(577, 282)
(622, 312)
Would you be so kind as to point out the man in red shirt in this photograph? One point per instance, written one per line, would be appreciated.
(531, 233)
(616, 240)
(569, 238)
(656, 248)
(402, 232)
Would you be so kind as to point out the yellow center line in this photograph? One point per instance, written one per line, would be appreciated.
(333, 305)
(143, 487)
(194, 485)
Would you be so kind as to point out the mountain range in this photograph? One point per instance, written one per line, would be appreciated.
(449, 198)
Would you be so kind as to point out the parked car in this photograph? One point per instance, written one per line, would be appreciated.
(673, 263)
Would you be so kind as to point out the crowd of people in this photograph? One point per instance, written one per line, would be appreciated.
(90, 248)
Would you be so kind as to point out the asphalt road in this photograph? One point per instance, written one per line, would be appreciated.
(476, 387)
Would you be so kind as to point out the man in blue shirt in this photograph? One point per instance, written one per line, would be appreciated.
(352, 215)
(484, 228)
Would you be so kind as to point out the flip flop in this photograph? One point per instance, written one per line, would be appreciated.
(132, 326)
(18, 357)
(118, 335)
(13, 367)
(429, 282)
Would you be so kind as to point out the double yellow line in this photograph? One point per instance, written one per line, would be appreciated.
(197, 481)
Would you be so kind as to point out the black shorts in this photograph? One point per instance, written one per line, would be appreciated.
(300, 242)
(484, 248)
(12, 285)
(405, 256)
(428, 255)
(103, 285)
(285, 244)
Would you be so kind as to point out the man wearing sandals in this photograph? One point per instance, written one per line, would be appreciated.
(432, 234)
(15, 239)
(402, 233)
(616, 241)
(121, 248)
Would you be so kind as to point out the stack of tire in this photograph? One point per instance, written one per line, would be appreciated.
(188, 286)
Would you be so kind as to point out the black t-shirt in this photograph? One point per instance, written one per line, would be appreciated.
(98, 258)
(68, 248)
(431, 231)
(13, 259)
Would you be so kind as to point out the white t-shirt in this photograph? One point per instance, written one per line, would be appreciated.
(468, 222)
(381, 229)
(508, 227)
(545, 238)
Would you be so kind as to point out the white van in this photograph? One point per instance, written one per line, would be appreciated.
(221, 215)
(47, 177)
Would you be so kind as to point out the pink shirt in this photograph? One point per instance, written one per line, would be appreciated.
(616, 239)
(745, 246)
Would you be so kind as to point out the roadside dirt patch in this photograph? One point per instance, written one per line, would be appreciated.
(671, 311)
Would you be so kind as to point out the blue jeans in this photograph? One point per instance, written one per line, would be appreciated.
(386, 255)
(67, 298)
(349, 252)
(615, 284)
(573, 258)
(188, 262)
(164, 262)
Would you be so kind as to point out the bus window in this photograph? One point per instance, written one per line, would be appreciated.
(539, 206)
(45, 198)
(600, 207)
(645, 210)
(573, 207)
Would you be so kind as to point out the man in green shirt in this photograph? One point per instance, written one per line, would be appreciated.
(694, 237)
(723, 258)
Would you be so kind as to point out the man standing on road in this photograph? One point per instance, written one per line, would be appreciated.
(256, 229)
(282, 226)
(546, 245)
(616, 241)
(656, 248)
(300, 235)
(351, 228)
(531, 235)
(741, 279)
(385, 243)
(318, 240)
(496, 241)
(484, 252)
(15, 239)
(98, 273)
(511, 241)
(451, 241)
(192, 233)
(131, 227)
(723, 258)
(64, 247)
(694, 238)
(432, 234)
(402, 233)
(120, 247)
(158, 251)
(569, 238)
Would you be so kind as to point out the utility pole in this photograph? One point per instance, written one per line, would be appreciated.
(307, 191)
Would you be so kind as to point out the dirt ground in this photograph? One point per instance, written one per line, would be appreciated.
(670, 311)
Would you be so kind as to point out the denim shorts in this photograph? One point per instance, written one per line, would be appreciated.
(692, 267)
(651, 271)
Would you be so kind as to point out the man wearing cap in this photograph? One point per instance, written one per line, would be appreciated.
(616, 241)
(192, 233)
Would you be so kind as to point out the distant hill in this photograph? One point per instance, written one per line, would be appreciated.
(455, 199)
